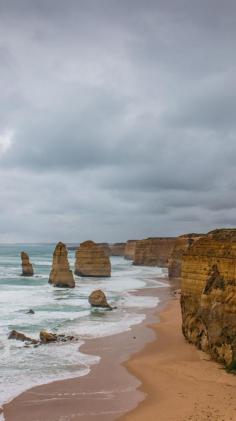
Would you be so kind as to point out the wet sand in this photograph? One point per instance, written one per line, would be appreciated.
(180, 382)
(108, 391)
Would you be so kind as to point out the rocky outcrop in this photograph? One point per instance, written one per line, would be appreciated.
(154, 251)
(208, 297)
(129, 252)
(117, 249)
(61, 275)
(182, 244)
(98, 299)
(27, 268)
(44, 337)
(14, 334)
(91, 260)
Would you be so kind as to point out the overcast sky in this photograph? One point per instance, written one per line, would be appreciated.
(117, 118)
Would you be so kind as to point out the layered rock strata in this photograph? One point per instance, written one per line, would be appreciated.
(61, 275)
(182, 244)
(154, 251)
(208, 298)
(117, 249)
(27, 268)
(98, 299)
(129, 252)
(105, 247)
(91, 260)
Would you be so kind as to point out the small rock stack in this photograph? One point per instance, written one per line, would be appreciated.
(27, 268)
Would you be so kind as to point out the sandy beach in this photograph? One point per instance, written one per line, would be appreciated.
(180, 382)
(148, 373)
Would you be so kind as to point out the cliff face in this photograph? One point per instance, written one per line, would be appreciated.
(61, 275)
(208, 299)
(105, 247)
(117, 249)
(182, 244)
(91, 260)
(27, 268)
(129, 251)
(154, 251)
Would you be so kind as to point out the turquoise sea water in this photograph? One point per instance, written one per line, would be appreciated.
(62, 311)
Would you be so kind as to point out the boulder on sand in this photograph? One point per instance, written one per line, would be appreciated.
(61, 275)
(27, 268)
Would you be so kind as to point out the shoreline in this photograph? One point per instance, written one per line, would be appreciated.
(107, 391)
(181, 383)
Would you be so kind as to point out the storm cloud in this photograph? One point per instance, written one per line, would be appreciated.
(117, 118)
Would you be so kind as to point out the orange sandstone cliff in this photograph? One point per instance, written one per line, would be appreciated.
(91, 260)
(129, 251)
(117, 249)
(182, 243)
(208, 297)
(154, 251)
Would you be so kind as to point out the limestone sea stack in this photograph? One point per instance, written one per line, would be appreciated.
(154, 251)
(182, 244)
(208, 298)
(130, 249)
(98, 299)
(61, 275)
(91, 260)
(27, 268)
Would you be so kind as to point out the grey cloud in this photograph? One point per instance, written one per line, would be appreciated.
(123, 118)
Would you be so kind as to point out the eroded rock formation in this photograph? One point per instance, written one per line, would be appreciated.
(27, 268)
(208, 298)
(98, 299)
(117, 249)
(14, 334)
(61, 275)
(91, 260)
(129, 252)
(182, 243)
(154, 251)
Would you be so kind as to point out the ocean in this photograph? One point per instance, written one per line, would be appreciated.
(62, 311)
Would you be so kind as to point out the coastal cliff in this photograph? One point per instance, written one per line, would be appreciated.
(91, 260)
(182, 243)
(154, 251)
(27, 268)
(61, 275)
(117, 249)
(129, 251)
(208, 297)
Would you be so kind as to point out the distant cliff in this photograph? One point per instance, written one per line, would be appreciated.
(129, 251)
(182, 243)
(154, 251)
(208, 298)
(117, 249)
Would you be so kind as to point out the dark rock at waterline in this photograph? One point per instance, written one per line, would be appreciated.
(30, 311)
(21, 337)
(27, 268)
(46, 337)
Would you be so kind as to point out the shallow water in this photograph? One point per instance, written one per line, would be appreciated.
(61, 311)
